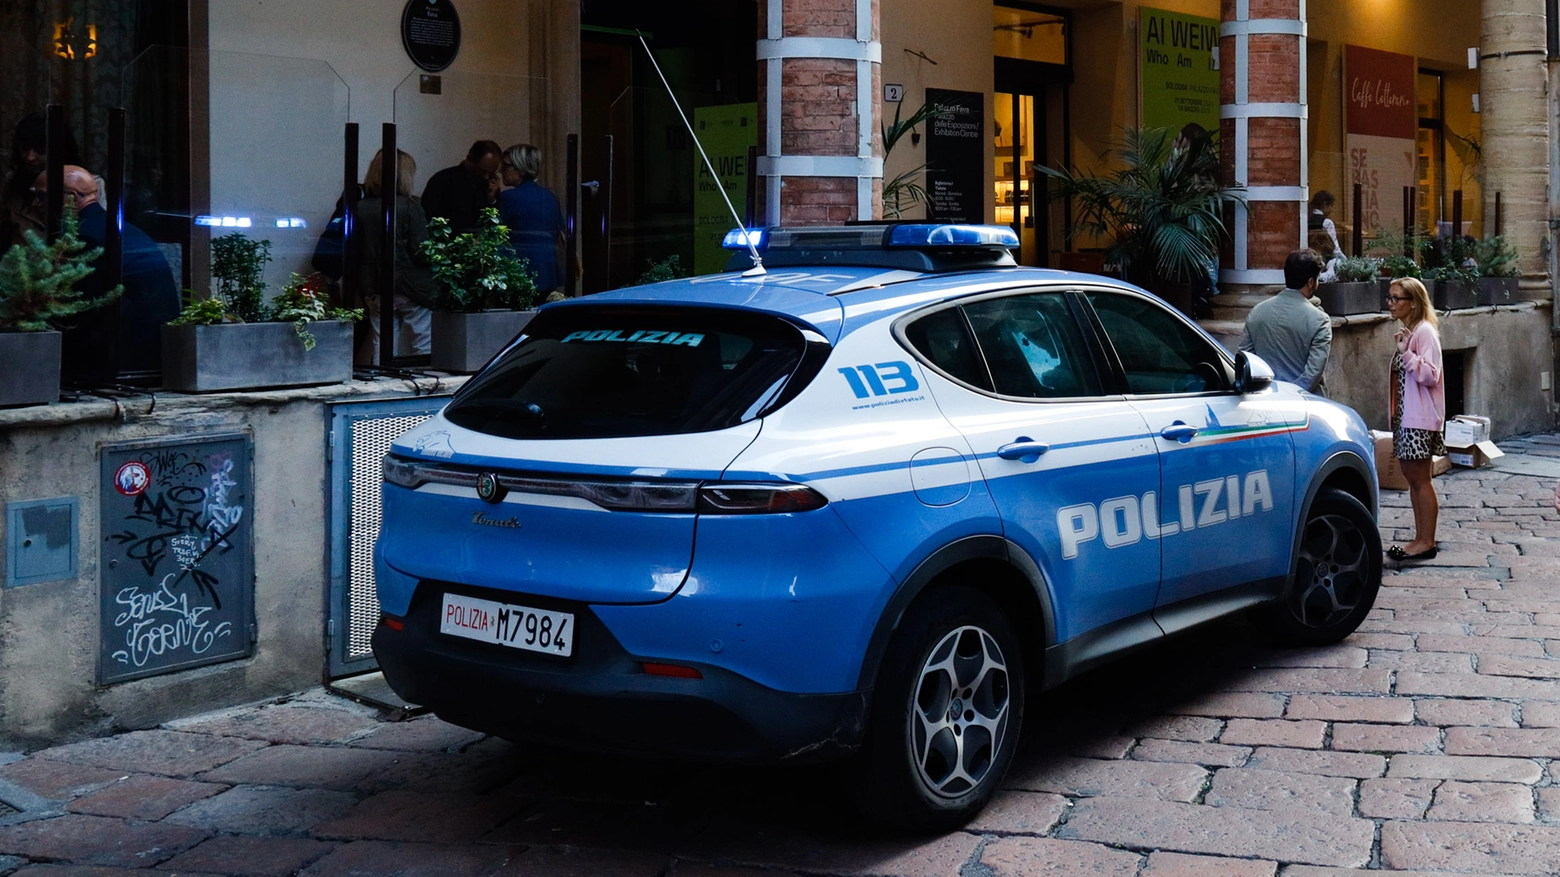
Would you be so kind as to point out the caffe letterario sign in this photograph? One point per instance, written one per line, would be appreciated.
(430, 33)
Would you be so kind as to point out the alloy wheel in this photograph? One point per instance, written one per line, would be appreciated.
(1330, 580)
(960, 716)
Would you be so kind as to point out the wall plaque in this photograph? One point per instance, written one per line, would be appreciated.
(956, 156)
(430, 32)
(176, 563)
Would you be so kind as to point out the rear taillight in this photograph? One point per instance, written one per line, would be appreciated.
(758, 499)
(392, 622)
(675, 671)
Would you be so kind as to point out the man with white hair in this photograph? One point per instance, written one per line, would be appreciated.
(151, 295)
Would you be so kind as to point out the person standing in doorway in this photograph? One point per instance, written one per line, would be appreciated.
(1289, 331)
(532, 215)
(458, 194)
(1418, 412)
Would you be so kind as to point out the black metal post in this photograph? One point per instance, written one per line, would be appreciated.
(1552, 28)
(606, 215)
(1408, 221)
(349, 202)
(571, 209)
(1359, 217)
(388, 166)
(752, 187)
(1497, 213)
(113, 239)
(54, 201)
(1456, 214)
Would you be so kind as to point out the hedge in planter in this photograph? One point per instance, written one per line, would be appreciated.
(38, 291)
(299, 340)
(483, 295)
(1497, 271)
(1355, 291)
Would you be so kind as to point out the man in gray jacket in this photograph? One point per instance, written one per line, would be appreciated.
(1288, 330)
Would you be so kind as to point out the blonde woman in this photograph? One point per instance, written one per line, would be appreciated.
(1418, 409)
(412, 278)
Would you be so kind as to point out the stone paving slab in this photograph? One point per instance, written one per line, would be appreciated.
(1426, 745)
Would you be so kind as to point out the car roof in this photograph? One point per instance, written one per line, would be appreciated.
(835, 298)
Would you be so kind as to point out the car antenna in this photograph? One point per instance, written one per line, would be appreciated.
(758, 263)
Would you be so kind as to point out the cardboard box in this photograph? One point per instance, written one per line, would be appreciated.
(1475, 455)
(1388, 474)
(1467, 430)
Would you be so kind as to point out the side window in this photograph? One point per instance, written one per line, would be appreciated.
(1034, 347)
(1160, 353)
(943, 339)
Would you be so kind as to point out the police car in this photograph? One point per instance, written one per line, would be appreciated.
(863, 504)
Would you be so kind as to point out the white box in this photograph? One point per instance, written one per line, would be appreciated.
(1475, 455)
(1466, 430)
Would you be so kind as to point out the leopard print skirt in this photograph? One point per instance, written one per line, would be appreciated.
(1408, 443)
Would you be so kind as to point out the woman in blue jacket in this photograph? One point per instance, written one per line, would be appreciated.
(532, 215)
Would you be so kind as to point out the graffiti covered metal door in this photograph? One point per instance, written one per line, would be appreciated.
(177, 554)
(360, 434)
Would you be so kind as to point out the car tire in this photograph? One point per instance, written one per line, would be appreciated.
(946, 714)
(1337, 572)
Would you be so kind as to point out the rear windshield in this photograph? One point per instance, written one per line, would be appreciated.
(602, 372)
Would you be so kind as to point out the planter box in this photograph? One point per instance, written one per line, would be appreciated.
(1449, 295)
(246, 356)
(1497, 290)
(465, 342)
(1338, 299)
(29, 368)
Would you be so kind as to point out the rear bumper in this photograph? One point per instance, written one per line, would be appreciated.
(602, 699)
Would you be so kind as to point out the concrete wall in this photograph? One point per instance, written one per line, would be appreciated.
(49, 631)
(286, 74)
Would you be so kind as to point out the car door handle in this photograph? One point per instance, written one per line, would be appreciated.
(1179, 431)
(1023, 449)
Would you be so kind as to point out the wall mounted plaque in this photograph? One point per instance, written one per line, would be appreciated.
(430, 32)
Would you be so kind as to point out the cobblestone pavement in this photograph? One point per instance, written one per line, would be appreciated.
(1426, 744)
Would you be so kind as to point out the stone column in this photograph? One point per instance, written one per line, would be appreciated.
(1262, 133)
(1514, 121)
(820, 150)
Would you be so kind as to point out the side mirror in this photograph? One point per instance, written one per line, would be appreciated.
(1252, 374)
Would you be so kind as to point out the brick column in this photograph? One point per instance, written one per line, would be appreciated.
(1262, 134)
(819, 75)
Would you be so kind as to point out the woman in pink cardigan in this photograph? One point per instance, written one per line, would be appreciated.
(1418, 409)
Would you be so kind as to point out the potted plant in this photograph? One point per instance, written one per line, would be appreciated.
(1497, 260)
(1451, 272)
(1396, 263)
(299, 339)
(1162, 210)
(37, 290)
(483, 295)
(1355, 291)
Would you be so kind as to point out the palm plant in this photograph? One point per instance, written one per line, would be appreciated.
(1162, 208)
(904, 190)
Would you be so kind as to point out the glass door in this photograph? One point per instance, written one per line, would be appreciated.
(1031, 53)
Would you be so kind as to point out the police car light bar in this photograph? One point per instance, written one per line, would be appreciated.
(860, 237)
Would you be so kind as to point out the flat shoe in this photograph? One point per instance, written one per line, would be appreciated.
(1397, 553)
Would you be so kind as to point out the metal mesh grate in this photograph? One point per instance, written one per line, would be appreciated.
(370, 439)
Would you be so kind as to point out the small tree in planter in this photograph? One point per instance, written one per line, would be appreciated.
(38, 290)
(1394, 264)
(483, 295)
(1451, 272)
(238, 266)
(208, 347)
(1355, 289)
(1497, 260)
(1162, 209)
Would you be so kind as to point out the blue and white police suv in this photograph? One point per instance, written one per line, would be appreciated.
(861, 505)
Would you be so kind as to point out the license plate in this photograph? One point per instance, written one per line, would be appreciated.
(519, 627)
